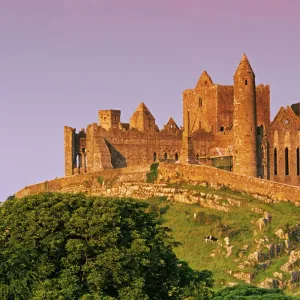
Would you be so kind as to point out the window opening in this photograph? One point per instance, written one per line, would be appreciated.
(286, 156)
(298, 161)
(154, 156)
(275, 161)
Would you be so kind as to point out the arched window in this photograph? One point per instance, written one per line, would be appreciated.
(154, 156)
(286, 160)
(176, 156)
(246, 82)
(298, 162)
(165, 156)
(275, 161)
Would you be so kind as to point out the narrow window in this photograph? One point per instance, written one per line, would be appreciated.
(200, 102)
(197, 157)
(286, 156)
(221, 128)
(205, 82)
(298, 162)
(85, 161)
(154, 156)
(176, 156)
(212, 128)
(275, 161)
(199, 125)
(246, 82)
(165, 156)
(78, 161)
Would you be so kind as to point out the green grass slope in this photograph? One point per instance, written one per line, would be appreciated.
(239, 225)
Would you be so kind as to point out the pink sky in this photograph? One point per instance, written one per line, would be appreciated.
(62, 60)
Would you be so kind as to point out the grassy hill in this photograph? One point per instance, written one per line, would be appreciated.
(191, 223)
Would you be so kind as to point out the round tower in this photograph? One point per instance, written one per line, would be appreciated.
(244, 120)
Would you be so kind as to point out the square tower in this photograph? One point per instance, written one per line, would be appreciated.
(109, 119)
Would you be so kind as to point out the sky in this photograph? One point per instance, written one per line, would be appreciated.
(63, 60)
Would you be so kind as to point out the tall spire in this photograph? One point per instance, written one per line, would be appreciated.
(244, 67)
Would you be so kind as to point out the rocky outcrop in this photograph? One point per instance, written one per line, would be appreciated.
(293, 263)
(271, 283)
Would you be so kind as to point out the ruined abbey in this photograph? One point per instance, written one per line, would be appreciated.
(227, 127)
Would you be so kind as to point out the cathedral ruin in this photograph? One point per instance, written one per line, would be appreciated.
(227, 127)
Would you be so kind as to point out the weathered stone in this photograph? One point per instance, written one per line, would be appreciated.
(280, 233)
(247, 277)
(261, 223)
(270, 283)
(278, 275)
(294, 262)
(258, 256)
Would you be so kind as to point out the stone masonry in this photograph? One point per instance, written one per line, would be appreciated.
(227, 127)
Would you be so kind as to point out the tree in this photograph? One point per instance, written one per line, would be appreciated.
(71, 246)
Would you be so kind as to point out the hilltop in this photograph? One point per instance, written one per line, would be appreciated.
(256, 221)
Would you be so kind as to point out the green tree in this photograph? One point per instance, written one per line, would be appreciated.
(248, 292)
(71, 246)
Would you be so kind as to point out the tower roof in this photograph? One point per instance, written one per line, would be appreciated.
(244, 67)
(204, 80)
(142, 107)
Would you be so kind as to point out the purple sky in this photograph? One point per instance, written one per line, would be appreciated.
(63, 60)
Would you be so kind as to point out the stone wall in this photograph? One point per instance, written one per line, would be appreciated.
(216, 177)
(130, 182)
(87, 182)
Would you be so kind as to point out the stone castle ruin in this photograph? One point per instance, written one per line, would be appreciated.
(227, 127)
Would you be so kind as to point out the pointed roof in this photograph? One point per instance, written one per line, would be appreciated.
(142, 107)
(172, 122)
(244, 67)
(204, 80)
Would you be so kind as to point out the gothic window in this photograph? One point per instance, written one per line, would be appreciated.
(275, 161)
(154, 156)
(176, 156)
(286, 160)
(222, 128)
(298, 162)
(200, 102)
(246, 82)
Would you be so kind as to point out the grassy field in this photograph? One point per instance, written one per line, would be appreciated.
(239, 224)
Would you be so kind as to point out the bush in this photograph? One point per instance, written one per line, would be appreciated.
(152, 175)
(72, 246)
